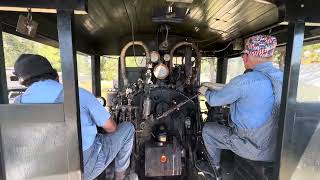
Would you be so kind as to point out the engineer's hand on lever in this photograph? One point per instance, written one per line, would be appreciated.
(209, 86)
(213, 86)
(202, 90)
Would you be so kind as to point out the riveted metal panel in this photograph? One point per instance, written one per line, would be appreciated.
(301, 158)
(305, 146)
(33, 141)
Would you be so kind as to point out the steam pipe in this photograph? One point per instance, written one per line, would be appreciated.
(123, 62)
(198, 58)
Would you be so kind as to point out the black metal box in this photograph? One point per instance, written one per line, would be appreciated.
(163, 160)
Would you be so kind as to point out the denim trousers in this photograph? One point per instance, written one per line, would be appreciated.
(115, 146)
(217, 137)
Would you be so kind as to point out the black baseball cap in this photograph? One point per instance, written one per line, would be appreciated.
(31, 65)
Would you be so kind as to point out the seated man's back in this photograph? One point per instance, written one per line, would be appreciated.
(99, 150)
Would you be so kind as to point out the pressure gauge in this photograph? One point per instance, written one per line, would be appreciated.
(167, 57)
(161, 71)
(155, 56)
(102, 101)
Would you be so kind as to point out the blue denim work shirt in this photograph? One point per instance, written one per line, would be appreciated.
(92, 113)
(250, 96)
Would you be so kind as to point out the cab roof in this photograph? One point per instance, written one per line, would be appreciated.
(109, 24)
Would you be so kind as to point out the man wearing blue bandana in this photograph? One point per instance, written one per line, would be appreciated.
(254, 99)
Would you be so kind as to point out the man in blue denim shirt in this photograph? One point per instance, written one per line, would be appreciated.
(99, 150)
(254, 99)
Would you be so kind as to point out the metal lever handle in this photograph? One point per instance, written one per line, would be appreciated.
(165, 114)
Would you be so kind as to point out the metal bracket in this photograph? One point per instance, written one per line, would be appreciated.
(306, 10)
(26, 25)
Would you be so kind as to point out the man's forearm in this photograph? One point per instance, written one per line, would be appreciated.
(110, 126)
(213, 99)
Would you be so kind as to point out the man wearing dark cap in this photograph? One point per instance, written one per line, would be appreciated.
(99, 150)
(254, 99)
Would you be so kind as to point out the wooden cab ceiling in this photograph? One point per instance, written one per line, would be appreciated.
(108, 24)
(207, 21)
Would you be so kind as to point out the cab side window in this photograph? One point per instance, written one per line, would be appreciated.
(208, 69)
(309, 75)
(235, 68)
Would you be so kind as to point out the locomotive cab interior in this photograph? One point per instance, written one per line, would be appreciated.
(168, 41)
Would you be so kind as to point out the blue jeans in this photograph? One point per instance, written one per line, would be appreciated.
(108, 147)
(217, 137)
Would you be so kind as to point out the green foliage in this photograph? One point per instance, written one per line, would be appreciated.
(208, 69)
(135, 61)
(14, 46)
(84, 64)
(208, 64)
(109, 68)
(311, 54)
(277, 56)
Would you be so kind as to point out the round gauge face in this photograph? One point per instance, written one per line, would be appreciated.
(166, 57)
(102, 101)
(161, 71)
(155, 56)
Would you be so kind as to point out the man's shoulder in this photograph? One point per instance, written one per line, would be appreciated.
(86, 96)
(83, 93)
(247, 78)
(277, 73)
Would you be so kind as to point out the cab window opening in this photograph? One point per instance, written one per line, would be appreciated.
(14, 46)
